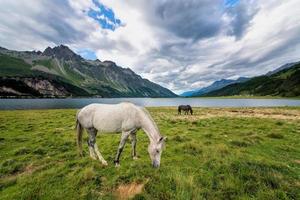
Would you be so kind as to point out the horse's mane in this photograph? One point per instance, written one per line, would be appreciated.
(150, 117)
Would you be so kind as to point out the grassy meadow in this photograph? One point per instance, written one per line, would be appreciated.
(228, 153)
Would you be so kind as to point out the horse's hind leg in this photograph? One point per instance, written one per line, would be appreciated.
(93, 147)
(133, 144)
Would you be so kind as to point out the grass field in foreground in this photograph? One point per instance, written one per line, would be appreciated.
(250, 153)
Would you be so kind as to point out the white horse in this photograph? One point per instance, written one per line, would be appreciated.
(123, 117)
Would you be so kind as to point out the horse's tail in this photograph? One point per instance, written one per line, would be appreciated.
(79, 131)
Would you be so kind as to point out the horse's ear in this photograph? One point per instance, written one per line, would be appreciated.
(162, 139)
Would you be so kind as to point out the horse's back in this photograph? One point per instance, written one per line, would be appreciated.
(108, 117)
(183, 106)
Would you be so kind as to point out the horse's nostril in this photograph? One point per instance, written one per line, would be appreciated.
(155, 164)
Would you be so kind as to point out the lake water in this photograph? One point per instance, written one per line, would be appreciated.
(11, 104)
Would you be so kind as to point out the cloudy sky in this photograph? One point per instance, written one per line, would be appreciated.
(180, 44)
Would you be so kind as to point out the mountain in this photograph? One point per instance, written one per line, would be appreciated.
(214, 86)
(286, 66)
(62, 52)
(284, 83)
(59, 72)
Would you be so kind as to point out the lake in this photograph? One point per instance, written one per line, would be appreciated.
(12, 104)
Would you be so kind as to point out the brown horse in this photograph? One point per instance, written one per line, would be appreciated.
(186, 109)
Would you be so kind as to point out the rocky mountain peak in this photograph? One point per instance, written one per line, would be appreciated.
(61, 52)
(108, 63)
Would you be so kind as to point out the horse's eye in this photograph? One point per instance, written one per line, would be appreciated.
(157, 151)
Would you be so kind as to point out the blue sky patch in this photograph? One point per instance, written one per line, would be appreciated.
(87, 54)
(230, 3)
(104, 16)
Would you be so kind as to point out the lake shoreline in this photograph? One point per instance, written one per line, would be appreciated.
(23, 104)
(167, 107)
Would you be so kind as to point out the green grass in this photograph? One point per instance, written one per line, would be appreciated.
(11, 66)
(73, 76)
(46, 63)
(70, 76)
(206, 157)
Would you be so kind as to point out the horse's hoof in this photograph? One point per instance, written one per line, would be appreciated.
(93, 157)
(117, 164)
(104, 163)
(135, 158)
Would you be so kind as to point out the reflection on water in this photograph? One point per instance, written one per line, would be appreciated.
(10, 104)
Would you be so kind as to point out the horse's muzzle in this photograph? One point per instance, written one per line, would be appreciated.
(155, 164)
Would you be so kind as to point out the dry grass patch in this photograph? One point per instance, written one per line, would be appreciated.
(297, 161)
(205, 113)
(28, 170)
(128, 191)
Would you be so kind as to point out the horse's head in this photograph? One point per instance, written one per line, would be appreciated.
(155, 149)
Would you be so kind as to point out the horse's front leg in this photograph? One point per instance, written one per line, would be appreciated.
(133, 144)
(91, 141)
(124, 137)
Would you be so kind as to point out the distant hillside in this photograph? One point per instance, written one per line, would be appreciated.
(214, 86)
(59, 72)
(285, 83)
(286, 66)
